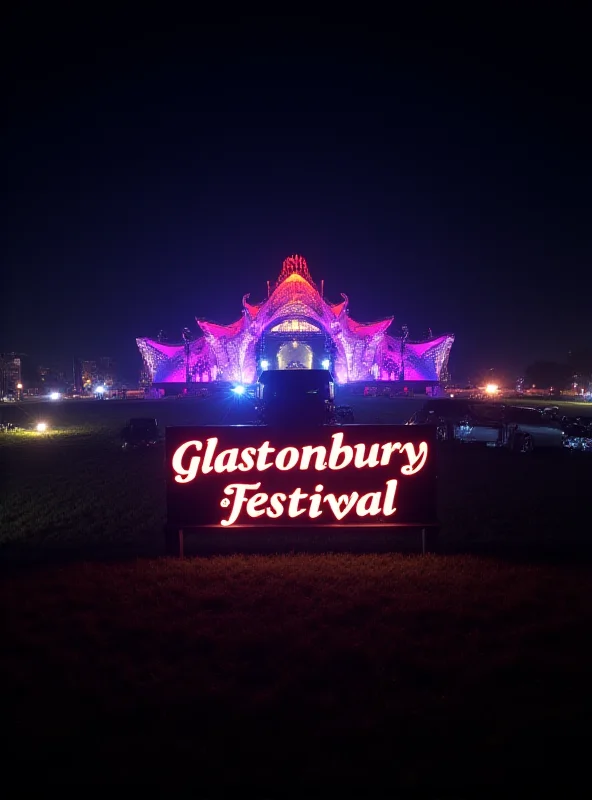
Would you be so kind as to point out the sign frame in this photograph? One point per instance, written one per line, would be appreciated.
(387, 464)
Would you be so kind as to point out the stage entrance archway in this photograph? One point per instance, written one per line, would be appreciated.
(294, 343)
(294, 355)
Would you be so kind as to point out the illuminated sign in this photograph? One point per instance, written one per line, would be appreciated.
(356, 475)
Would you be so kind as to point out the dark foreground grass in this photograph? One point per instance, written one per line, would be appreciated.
(330, 672)
(291, 673)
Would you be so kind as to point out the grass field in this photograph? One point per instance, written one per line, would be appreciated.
(76, 488)
(330, 672)
(290, 673)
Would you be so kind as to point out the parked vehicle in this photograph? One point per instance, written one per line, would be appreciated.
(140, 432)
(578, 434)
(299, 397)
(530, 428)
(517, 428)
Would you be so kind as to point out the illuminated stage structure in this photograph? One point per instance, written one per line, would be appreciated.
(296, 328)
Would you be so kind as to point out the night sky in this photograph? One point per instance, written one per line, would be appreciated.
(153, 174)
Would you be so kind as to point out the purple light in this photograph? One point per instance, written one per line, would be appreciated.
(362, 351)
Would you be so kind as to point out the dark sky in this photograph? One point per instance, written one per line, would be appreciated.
(154, 173)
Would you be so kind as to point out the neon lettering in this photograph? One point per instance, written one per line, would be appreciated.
(248, 462)
(289, 454)
(264, 451)
(275, 501)
(254, 502)
(321, 455)
(363, 508)
(339, 449)
(295, 498)
(209, 455)
(371, 504)
(239, 491)
(315, 502)
(185, 475)
(387, 451)
(226, 461)
(371, 460)
(391, 489)
(341, 505)
(416, 460)
(337, 457)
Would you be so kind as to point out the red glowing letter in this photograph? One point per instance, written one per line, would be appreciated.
(239, 490)
(186, 475)
(254, 502)
(247, 459)
(416, 460)
(315, 502)
(389, 498)
(264, 451)
(289, 455)
(226, 461)
(387, 451)
(362, 509)
(338, 450)
(209, 455)
(296, 496)
(277, 509)
(341, 505)
(371, 461)
(321, 455)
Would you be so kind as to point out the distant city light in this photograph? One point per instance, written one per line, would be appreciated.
(238, 389)
(100, 390)
(19, 386)
(41, 427)
(325, 363)
(451, 395)
(491, 388)
(54, 396)
(265, 364)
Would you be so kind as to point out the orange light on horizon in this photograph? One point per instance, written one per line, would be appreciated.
(492, 388)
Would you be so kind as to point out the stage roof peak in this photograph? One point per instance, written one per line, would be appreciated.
(295, 265)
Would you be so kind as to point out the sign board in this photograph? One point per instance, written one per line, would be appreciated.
(254, 476)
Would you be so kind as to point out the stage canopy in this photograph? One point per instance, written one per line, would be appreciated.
(296, 328)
